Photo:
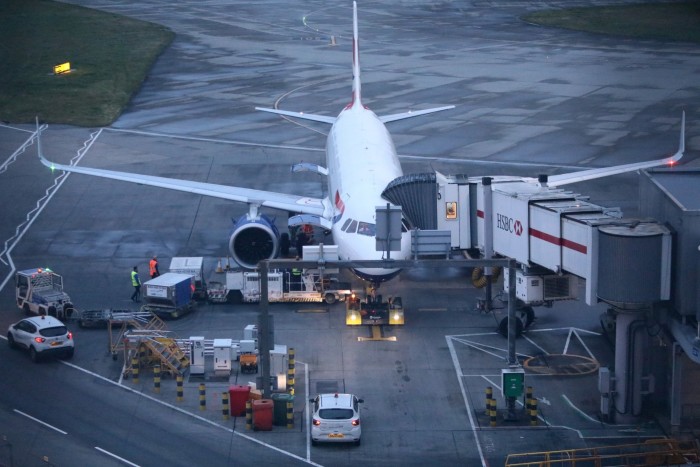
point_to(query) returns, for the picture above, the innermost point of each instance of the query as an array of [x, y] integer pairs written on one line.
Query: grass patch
[[110, 56], [663, 21]]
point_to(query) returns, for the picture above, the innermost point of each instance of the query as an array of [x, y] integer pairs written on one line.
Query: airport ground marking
[[458, 370], [120, 459], [41, 422], [185, 412]]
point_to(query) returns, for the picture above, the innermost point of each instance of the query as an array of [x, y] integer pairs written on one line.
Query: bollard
[[202, 396], [135, 369], [489, 396], [290, 414], [290, 371], [533, 412], [528, 398], [493, 413], [224, 405], [156, 379], [178, 379], [248, 415]]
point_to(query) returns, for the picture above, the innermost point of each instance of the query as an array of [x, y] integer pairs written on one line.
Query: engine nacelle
[[253, 239]]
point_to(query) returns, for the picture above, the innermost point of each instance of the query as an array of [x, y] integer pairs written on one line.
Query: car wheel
[[11, 341], [33, 354]]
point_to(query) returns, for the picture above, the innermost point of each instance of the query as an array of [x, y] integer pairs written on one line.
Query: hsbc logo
[[509, 224]]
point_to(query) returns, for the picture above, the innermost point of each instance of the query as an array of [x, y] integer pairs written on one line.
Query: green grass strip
[[110, 55], [660, 21]]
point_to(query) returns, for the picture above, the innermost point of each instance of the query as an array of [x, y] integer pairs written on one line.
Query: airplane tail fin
[[356, 85]]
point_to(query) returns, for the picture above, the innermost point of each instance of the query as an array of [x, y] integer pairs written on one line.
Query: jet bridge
[[556, 236]]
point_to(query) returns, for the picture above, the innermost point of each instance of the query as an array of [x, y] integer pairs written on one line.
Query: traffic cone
[[218, 267]]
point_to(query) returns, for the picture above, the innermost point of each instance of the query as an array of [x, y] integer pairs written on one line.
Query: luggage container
[[193, 266], [169, 295]]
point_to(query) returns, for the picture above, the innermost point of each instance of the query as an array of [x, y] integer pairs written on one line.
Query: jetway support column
[[629, 364], [488, 236]]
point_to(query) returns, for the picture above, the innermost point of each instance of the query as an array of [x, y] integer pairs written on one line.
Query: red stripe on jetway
[[479, 213], [558, 241]]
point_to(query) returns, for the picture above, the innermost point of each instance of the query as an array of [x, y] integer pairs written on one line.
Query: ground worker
[[153, 268], [136, 282]]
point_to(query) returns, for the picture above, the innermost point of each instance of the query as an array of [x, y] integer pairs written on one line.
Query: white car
[[336, 419], [42, 336]]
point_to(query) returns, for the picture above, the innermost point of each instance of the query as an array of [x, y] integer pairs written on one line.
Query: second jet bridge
[[552, 233]]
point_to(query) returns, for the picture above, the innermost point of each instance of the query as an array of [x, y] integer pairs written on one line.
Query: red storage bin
[[238, 395], [262, 414]]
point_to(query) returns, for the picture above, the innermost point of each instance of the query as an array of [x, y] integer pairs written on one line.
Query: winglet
[[356, 87]]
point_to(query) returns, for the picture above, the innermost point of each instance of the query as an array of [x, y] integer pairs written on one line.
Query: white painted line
[[480, 346], [185, 412], [584, 345], [568, 341], [581, 412], [39, 421], [120, 459], [458, 370], [534, 344]]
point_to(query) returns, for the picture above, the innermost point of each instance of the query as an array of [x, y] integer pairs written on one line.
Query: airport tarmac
[[529, 100]]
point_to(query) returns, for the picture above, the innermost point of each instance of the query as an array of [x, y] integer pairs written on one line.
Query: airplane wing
[[565, 179], [287, 202], [414, 113], [302, 115]]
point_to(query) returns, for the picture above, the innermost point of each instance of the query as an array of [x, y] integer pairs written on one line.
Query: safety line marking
[[121, 459], [42, 422]]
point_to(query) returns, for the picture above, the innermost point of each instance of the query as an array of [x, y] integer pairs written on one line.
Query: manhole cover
[[573, 365]]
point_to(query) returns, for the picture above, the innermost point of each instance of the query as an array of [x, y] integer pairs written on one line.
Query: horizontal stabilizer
[[301, 115], [413, 113]]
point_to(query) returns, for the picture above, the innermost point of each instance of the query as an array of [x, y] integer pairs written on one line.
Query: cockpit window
[[365, 228], [353, 227], [345, 225]]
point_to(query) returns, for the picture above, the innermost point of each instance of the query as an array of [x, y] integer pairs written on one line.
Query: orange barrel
[[238, 395], [262, 414]]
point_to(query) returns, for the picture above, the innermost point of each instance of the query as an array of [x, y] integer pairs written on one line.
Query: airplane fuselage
[[361, 160]]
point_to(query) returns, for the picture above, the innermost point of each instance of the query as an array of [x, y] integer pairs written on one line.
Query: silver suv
[[41, 335], [336, 419]]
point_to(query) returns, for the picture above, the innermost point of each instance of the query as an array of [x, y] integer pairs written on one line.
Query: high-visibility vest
[[152, 267], [135, 278]]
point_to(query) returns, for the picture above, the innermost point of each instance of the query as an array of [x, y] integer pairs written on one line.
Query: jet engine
[[253, 238]]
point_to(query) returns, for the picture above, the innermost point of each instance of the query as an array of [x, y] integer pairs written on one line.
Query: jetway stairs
[[143, 336]]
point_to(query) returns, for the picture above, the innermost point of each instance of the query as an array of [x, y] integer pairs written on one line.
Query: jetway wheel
[[503, 327]]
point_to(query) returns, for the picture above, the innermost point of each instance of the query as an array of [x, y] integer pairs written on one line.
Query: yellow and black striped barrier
[[248, 415], [178, 380], [290, 414], [533, 412], [156, 379], [135, 369], [489, 396], [202, 397], [225, 405], [291, 370], [493, 413]]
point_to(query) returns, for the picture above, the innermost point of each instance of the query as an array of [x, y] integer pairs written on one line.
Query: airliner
[[361, 160]]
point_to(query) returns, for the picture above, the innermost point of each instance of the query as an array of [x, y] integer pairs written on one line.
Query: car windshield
[[53, 332], [335, 414]]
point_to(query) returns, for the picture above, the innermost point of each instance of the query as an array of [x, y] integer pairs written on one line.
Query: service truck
[[283, 286], [40, 291]]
